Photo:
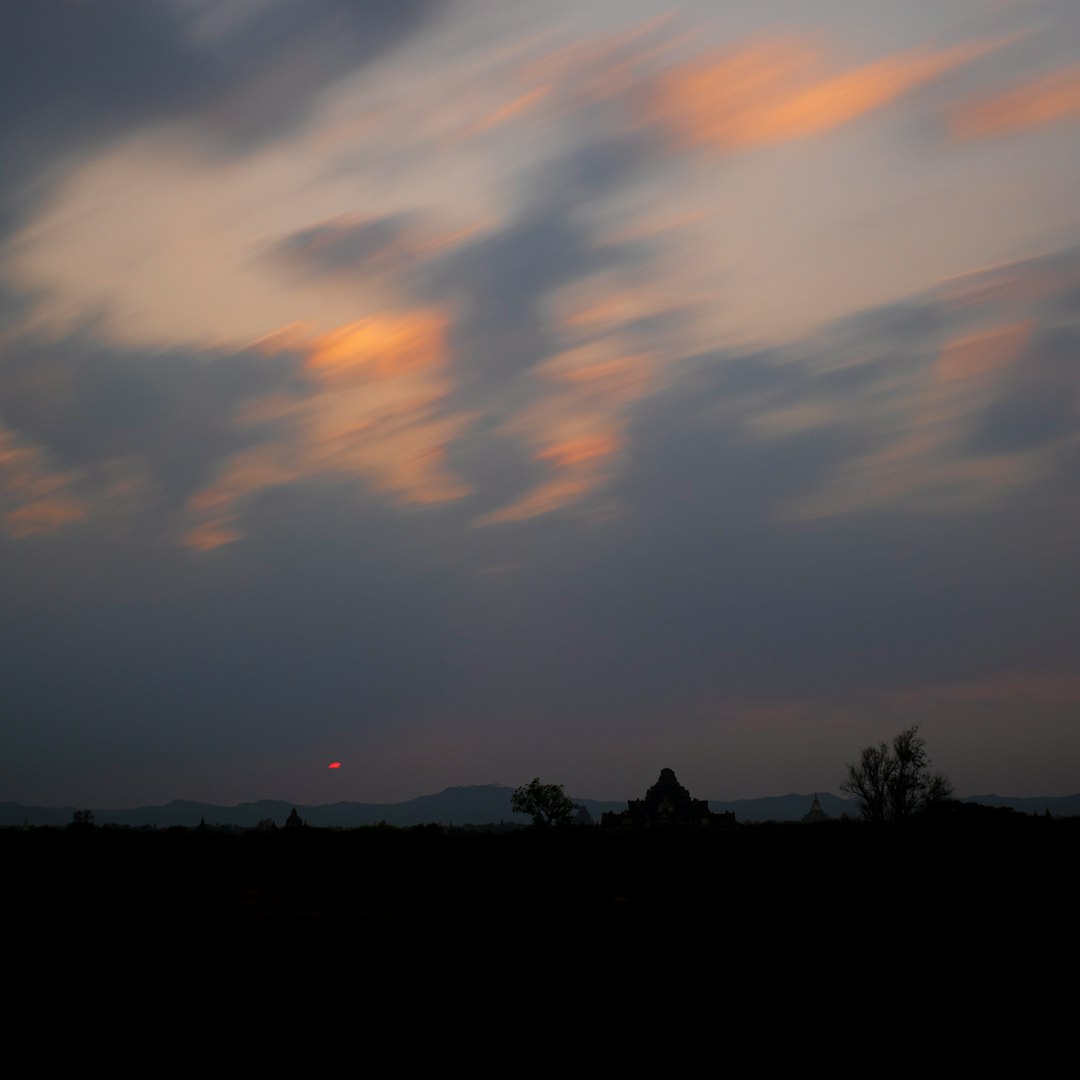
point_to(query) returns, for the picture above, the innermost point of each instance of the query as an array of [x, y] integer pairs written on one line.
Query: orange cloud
[[373, 414], [37, 496], [575, 426], [924, 460], [572, 452], [1054, 97], [920, 466], [44, 516], [381, 347], [211, 535], [603, 67], [1018, 287], [523, 103], [591, 308], [982, 354], [770, 93], [666, 302], [554, 495], [592, 374], [581, 461]]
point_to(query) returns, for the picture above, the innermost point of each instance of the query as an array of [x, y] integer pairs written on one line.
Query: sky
[[470, 391]]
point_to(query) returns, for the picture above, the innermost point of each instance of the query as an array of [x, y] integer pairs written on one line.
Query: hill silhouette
[[481, 804]]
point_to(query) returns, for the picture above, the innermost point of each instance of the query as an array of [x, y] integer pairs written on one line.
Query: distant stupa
[[815, 813]]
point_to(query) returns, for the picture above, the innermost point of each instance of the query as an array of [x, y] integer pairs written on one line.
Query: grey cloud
[[503, 280], [75, 75], [12, 305], [917, 322], [284, 55], [1037, 401], [593, 168], [87, 403], [79, 70], [705, 584], [340, 247]]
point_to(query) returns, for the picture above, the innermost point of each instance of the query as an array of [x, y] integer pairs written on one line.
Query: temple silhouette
[[667, 804]]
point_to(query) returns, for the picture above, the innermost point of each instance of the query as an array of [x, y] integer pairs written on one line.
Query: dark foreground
[[756, 904]]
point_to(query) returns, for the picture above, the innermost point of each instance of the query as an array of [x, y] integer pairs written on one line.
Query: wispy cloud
[[372, 411], [778, 90], [1049, 99], [575, 426], [34, 499]]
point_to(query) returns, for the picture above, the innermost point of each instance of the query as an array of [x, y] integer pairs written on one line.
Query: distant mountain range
[[478, 805]]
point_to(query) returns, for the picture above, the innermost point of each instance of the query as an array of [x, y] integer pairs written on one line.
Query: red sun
[[334, 765]]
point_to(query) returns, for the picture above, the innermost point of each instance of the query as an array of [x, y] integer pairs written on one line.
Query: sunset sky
[[473, 390]]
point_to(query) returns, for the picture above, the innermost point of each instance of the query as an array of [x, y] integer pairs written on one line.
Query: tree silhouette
[[894, 783], [547, 804]]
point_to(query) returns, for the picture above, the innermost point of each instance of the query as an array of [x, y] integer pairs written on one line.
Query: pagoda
[[667, 804]]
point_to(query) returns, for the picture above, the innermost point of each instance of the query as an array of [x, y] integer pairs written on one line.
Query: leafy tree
[[894, 782], [547, 804]]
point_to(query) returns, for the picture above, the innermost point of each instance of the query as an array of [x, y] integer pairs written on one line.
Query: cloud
[[1050, 99], [1039, 402], [775, 91], [33, 498], [982, 354], [349, 246], [73, 76], [91, 403], [79, 72], [395, 250], [970, 419], [500, 285], [373, 411], [576, 75], [464, 317], [963, 395], [575, 425], [511, 110], [89, 428]]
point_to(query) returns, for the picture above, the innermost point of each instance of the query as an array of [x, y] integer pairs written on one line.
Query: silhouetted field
[[755, 900]]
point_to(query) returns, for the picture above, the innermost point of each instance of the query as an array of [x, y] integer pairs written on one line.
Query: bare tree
[[894, 783], [868, 780]]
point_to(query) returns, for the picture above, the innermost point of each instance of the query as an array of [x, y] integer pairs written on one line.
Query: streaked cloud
[[33, 498], [1049, 99], [778, 90], [575, 427], [982, 354], [512, 110], [78, 77], [372, 411]]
